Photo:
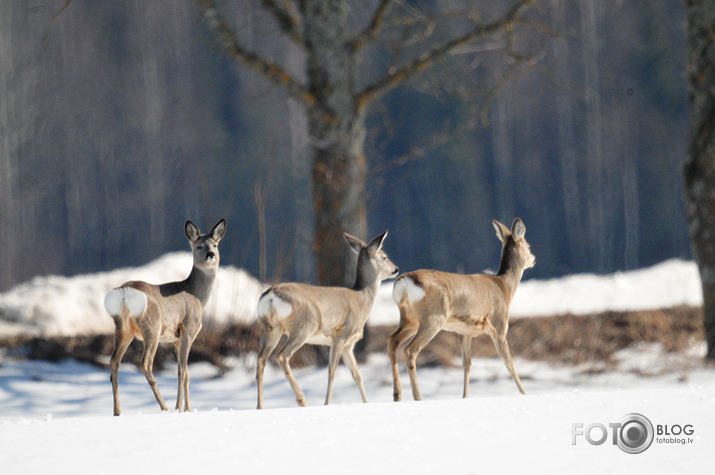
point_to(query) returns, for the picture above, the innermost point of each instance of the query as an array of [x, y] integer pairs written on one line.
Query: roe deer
[[469, 305], [331, 316], [166, 313]]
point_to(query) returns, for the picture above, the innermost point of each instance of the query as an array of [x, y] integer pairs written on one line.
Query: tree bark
[[699, 167], [337, 134]]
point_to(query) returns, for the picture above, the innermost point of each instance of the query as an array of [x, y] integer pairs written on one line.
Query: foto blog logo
[[633, 434]]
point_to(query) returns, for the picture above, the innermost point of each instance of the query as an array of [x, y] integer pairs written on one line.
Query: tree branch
[[231, 46], [398, 75], [54, 17], [375, 23], [287, 20]]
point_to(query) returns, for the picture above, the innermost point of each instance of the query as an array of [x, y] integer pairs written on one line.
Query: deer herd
[[429, 301]]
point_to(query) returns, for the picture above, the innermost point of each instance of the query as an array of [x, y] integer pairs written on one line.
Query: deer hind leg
[[503, 350], [269, 339], [295, 341], [429, 328], [151, 343], [404, 332], [122, 339], [351, 362], [466, 361]]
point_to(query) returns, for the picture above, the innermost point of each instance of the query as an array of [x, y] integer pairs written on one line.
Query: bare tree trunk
[[699, 168], [596, 174], [337, 134], [8, 161]]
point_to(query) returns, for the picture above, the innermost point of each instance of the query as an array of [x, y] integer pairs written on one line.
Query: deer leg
[[269, 340], [403, 333], [121, 343], [292, 345], [151, 343], [188, 335], [503, 350], [182, 358], [336, 350], [351, 362], [424, 335], [466, 361], [180, 376]]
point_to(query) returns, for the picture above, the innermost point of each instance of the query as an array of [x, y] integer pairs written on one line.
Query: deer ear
[[376, 242], [192, 232], [355, 244], [218, 231], [518, 229], [502, 231]]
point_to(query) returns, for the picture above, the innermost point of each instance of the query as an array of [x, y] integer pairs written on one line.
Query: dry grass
[[565, 339]]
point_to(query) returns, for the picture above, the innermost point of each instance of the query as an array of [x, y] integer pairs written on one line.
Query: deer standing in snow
[[166, 313], [331, 316], [468, 305]]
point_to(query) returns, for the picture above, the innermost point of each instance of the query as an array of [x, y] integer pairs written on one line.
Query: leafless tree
[[335, 37], [699, 168]]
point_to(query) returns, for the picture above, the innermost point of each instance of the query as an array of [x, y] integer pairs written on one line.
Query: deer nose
[[210, 256]]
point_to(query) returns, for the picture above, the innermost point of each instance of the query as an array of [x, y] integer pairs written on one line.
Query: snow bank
[[64, 306]]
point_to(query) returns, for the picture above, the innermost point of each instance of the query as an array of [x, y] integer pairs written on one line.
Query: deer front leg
[[351, 362], [335, 351], [466, 361], [503, 350], [182, 357], [180, 375]]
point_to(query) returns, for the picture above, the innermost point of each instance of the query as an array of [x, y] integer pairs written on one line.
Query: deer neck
[[366, 283], [510, 273], [199, 283]]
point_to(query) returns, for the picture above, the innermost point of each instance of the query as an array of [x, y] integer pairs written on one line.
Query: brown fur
[[468, 305], [172, 314], [331, 316]]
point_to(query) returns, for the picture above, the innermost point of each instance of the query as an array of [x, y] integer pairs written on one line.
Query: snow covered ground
[[56, 418]]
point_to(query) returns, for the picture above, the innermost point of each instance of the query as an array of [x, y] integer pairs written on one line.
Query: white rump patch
[[272, 301], [403, 285], [125, 297]]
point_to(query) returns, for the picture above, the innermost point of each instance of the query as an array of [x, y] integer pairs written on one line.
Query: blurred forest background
[[120, 120]]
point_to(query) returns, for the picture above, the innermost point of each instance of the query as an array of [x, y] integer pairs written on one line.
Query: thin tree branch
[[398, 75], [232, 47], [54, 17], [418, 152], [287, 20], [369, 33]]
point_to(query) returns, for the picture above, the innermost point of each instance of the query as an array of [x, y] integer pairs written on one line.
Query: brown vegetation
[[564, 339]]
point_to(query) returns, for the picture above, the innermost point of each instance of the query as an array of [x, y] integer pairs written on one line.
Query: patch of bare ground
[[564, 339]]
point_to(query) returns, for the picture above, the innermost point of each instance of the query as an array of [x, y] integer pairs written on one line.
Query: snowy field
[[56, 418]]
